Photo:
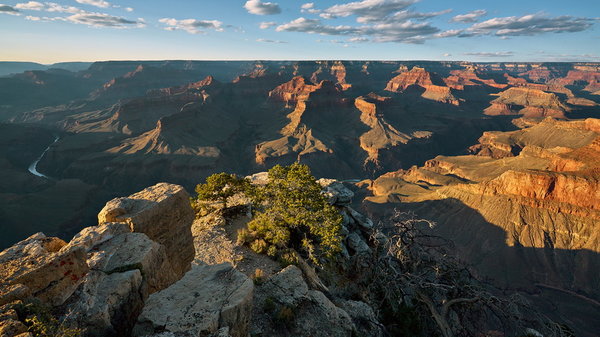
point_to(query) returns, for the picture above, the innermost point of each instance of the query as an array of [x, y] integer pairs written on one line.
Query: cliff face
[[528, 102], [528, 198], [421, 78]]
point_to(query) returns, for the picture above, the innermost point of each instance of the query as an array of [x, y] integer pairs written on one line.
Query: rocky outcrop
[[420, 78], [591, 78], [37, 267], [461, 79], [163, 213], [100, 280], [205, 300], [534, 190], [336, 192], [307, 312], [297, 89], [528, 102]]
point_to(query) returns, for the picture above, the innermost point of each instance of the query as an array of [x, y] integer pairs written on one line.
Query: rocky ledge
[[141, 272]]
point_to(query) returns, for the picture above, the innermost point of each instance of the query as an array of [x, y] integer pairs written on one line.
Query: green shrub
[[291, 213], [219, 187]]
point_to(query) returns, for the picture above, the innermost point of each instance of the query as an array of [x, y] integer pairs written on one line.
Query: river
[[33, 166]]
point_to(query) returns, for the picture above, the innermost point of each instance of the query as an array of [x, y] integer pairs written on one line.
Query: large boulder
[[164, 214], [205, 300], [36, 267], [290, 308], [131, 251], [107, 304], [126, 267]]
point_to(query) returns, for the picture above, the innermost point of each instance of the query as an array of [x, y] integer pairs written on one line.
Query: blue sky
[[509, 30]]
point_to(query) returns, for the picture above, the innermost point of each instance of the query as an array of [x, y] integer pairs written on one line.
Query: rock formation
[[421, 78], [102, 277], [163, 214], [528, 102], [535, 190], [206, 299]]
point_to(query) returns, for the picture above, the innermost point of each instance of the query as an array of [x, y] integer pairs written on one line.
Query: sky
[[470, 30]]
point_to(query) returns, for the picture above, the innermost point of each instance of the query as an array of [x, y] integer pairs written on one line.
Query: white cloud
[[405, 32], [191, 26], [48, 7], [6, 9], [367, 10], [314, 26], [531, 24], [492, 54], [309, 7], [470, 17], [258, 7], [270, 41], [103, 20], [78, 16], [128, 9], [31, 5], [449, 33], [96, 3], [267, 25], [404, 15]]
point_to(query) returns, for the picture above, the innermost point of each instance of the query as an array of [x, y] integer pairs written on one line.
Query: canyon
[[503, 157]]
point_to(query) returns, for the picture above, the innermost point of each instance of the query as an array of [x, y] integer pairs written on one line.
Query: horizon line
[[297, 60]]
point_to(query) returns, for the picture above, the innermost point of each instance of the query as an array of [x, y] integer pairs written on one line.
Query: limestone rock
[[37, 264], [360, 219], [357, 244], [364, 318], [286, 287], [164, 214], [313, 314], [336, 192], [260, 178], [92, 236], [107, 304], [135, 251], [206, 299]]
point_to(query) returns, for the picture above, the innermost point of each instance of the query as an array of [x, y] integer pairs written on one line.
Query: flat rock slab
[[205, 300]]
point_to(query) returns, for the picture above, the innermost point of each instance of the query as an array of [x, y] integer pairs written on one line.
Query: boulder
[[357, 244], [37, 267], [131, 251], [164, 214], [205, 300], [360, 219], [364, 318], [336, 192], [125, 269], [286, 287], [307, 312], [92, 236], [107, 304]]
